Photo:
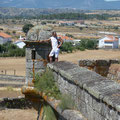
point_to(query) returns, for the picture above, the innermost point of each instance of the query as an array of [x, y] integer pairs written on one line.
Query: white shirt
[[54, 42]]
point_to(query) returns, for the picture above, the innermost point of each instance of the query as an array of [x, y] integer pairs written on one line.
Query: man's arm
[[61, 42]]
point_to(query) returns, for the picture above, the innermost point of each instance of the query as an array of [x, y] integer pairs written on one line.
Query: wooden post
[[14, 72], [5, 72]]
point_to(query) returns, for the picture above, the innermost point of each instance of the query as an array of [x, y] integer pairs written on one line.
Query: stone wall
[[99, 66], [114, 72], [12, 78], [96, 97], [16, 103], [36, 59]]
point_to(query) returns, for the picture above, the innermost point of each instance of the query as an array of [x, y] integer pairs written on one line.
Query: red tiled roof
[[108, 40], [112, 38], [4, 35], [65, 37]]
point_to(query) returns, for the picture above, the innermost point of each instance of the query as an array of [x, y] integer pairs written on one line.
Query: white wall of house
[[101, 43], [20, 44], [119, 43], [1, 40], [108, 45], [4, 40]]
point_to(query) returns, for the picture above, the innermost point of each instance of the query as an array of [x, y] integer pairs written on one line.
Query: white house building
[[20, 44], [4, 38], [109, 41], [66, 23]]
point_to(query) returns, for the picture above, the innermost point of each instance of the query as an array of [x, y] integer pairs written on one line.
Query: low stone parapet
[[99, 66], [16, 103], [96, 97], [114, 72]]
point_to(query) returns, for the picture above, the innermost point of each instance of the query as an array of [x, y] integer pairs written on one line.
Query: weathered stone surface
[[72, 115], [96, 97], [39, 33], [99, 66], [28, 53], [35, 64], [114, 72]]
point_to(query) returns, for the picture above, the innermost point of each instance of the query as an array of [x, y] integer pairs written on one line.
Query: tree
[[27, 27], [69, 35], [43, 23]]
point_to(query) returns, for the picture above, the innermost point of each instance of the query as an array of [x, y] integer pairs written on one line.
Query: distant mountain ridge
[[80, 4], [34, 12]]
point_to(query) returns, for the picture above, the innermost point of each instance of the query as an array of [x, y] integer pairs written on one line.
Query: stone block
[[82, 108], [108, 112], [80, 93], [86, 63], [55, 76], [72, 115], [28, 53], [35, 64], [97, 105], [96, 88], [72, 89]]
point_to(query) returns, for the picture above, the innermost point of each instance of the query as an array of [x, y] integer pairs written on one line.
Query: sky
[[111, 0]]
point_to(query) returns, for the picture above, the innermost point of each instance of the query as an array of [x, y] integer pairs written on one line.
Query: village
[[106, 34]]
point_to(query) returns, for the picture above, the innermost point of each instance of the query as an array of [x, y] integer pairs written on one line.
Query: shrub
[[11, 50], [27, 27], [43, 23], [45, 83], [16, 52], [49, 113], [2, 48], [67, 47], [88, 44], [69, 35], [66, 102], [14, 32], [78, 47]]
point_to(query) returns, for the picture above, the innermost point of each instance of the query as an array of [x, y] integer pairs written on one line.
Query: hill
[[81, 4]]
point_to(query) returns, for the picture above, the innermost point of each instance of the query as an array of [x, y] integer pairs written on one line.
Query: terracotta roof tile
[[4, 35], [113, 38], [65, 37], [108, 40]]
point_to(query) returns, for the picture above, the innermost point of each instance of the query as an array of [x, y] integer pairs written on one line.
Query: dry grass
[[90, 54], [18, 64], [11, 64]]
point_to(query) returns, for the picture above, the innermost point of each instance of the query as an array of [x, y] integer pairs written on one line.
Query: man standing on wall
[[56, 44]]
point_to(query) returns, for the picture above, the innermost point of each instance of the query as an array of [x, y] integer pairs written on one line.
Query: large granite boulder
[[39, 33]]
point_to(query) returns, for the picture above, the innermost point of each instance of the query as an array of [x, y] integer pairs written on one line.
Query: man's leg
[[56, 59], [51, 55], [56, 55], [50, 58]]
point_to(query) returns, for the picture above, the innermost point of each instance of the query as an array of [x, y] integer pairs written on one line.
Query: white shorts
[[54, 51]]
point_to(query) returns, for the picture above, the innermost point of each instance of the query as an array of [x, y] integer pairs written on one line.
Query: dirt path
[[18, 114], [10, 93]]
